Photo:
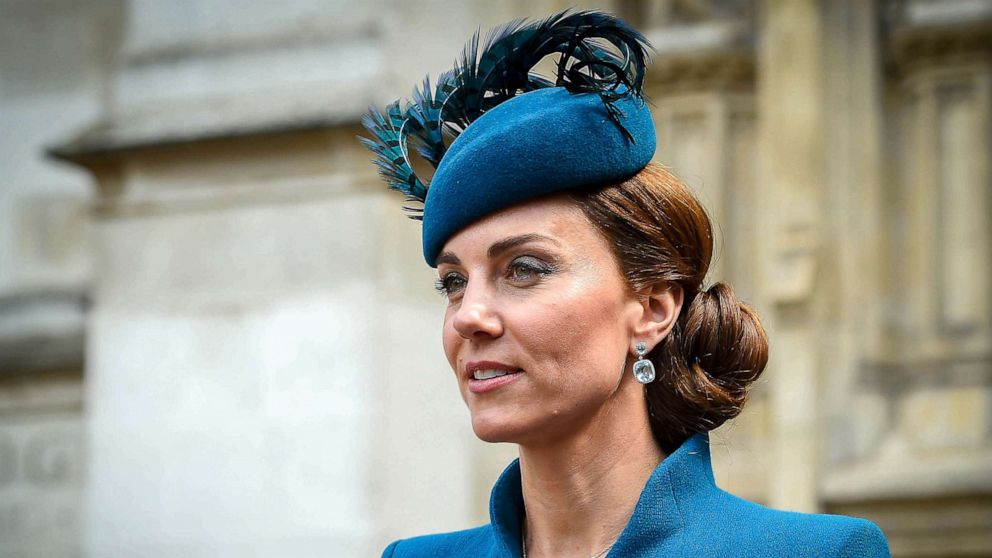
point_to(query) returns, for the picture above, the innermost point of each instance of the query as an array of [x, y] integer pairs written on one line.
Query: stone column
[[55, 61], [854, 212], [790, 185]]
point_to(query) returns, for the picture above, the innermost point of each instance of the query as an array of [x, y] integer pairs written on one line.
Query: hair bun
[[717, 350], [724, 335]]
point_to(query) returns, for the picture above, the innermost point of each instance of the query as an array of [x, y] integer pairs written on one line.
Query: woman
[[577, 325]]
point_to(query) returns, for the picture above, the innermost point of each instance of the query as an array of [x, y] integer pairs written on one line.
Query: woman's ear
[[659, 310]]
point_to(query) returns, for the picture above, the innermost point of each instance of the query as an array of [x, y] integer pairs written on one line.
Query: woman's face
[[539, 322]]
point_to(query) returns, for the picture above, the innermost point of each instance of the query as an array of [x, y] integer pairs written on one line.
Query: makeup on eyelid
[[533, 265]]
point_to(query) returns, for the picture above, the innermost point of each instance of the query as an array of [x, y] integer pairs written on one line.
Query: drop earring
[[643, 368]]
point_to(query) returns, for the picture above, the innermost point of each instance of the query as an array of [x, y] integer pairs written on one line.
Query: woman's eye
[[527, 270], [450, 284], [522, 272]]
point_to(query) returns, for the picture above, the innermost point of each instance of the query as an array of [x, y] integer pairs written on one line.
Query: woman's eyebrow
[[499, 247], [510, 242], [448, 258]]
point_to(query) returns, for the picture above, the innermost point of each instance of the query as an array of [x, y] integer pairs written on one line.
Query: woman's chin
[[489, 427]]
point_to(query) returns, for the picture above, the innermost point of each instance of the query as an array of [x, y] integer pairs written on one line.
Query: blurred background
[[218, 336]]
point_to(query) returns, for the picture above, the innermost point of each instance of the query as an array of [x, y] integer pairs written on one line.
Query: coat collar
[[677, 484]]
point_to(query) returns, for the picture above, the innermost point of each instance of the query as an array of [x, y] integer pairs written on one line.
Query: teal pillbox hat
[[498, 133], [535, 144]]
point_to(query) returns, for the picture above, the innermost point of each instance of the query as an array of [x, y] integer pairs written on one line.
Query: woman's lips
[[486, 368], [483, 386]]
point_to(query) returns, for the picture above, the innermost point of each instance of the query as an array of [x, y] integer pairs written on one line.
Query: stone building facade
[[217, 336]]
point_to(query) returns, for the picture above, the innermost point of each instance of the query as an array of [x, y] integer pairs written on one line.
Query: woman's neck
[[580, 490]]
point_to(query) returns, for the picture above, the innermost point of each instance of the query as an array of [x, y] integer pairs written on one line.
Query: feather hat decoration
[[599, 58], [499, 133]]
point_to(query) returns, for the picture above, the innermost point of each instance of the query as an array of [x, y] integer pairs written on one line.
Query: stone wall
[[55, 62]]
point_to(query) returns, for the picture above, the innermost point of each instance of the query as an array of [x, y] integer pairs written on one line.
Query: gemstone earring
[[643, 368]]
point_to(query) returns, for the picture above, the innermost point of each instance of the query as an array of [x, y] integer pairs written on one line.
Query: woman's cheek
[[450, 340]]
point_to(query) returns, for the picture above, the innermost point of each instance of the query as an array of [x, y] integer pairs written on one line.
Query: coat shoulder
[[480, 540], [764, 531]]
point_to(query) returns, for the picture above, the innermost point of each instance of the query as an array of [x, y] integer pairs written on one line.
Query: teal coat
[[681, 513]]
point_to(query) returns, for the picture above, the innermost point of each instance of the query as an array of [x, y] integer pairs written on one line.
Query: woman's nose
[[476, 316]]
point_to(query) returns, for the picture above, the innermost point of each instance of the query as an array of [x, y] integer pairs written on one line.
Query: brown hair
[[661, 234]]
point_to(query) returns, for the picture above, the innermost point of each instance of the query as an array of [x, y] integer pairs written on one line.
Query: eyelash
[[445, 288], [443, 285]]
